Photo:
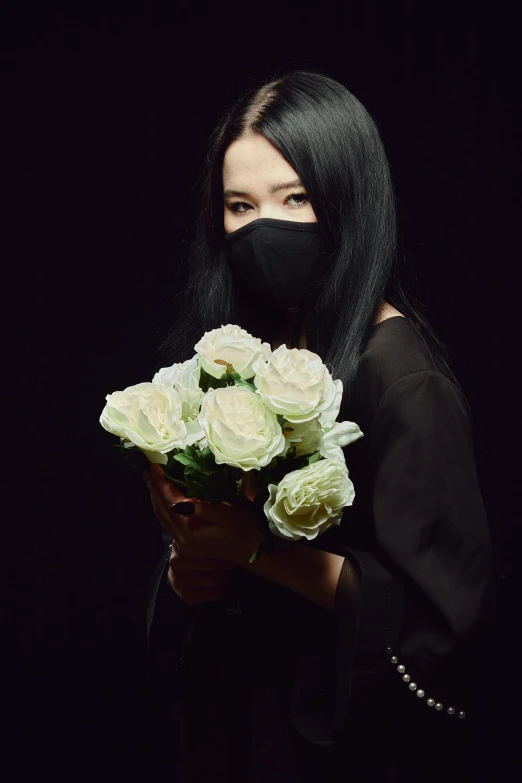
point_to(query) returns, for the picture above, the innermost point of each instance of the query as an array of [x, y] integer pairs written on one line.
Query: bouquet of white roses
[[239, 414]]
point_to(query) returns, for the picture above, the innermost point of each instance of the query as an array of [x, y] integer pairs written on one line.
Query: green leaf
[[205, 472], [314, 457], [187, 461], [246, 384], [191, 452]]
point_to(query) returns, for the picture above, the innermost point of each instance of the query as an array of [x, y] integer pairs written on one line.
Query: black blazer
[[416, 584]]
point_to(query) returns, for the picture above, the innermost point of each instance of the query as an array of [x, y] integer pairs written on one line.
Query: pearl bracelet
[[420, 693]]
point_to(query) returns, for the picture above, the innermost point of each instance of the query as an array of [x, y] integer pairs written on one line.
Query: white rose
[[149, 416], [233, 345], [295, 383], [184, 378], [309, 501], [240, 430], [310, 437]]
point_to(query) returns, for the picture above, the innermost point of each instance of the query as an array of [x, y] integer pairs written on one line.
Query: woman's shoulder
[[396, 348]]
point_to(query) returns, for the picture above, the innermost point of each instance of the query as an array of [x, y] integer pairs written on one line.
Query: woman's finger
[[194, 563], [164, 486], [183, 563], [201, 595], [158, 497], [202, 579], [164, 516]]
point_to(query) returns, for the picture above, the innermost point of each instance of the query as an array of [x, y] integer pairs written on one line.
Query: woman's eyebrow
[[295, 183]]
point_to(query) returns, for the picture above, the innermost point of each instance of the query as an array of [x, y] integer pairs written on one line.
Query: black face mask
[[279, 263]]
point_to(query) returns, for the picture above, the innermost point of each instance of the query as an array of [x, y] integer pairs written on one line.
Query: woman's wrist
[[312, 573]]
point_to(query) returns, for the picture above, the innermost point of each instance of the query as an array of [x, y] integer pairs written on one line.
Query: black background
[[105, 120]]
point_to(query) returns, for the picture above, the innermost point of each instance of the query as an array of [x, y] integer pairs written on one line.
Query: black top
[[286, 690]]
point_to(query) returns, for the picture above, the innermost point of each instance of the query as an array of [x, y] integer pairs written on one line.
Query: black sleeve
[[421, 591], [154, 584]]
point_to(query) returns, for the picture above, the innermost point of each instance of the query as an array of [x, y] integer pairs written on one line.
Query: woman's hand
[[195, 580], [221, 531]]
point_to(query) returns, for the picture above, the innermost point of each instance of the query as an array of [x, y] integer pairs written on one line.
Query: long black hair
[[332, 142]]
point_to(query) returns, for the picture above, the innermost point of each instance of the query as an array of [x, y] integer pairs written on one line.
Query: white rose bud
[[150, 416], [310, 437], [295, 383], [234, 346], [184, 378], [240, 430], [309, 501]]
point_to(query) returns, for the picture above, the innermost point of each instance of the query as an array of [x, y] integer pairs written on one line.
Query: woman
[[351, 654]]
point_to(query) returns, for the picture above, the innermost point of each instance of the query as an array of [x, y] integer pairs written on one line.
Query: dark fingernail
[[186, 508]]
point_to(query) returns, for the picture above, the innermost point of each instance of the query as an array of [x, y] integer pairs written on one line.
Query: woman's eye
[[234, 206], [299, 196]]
